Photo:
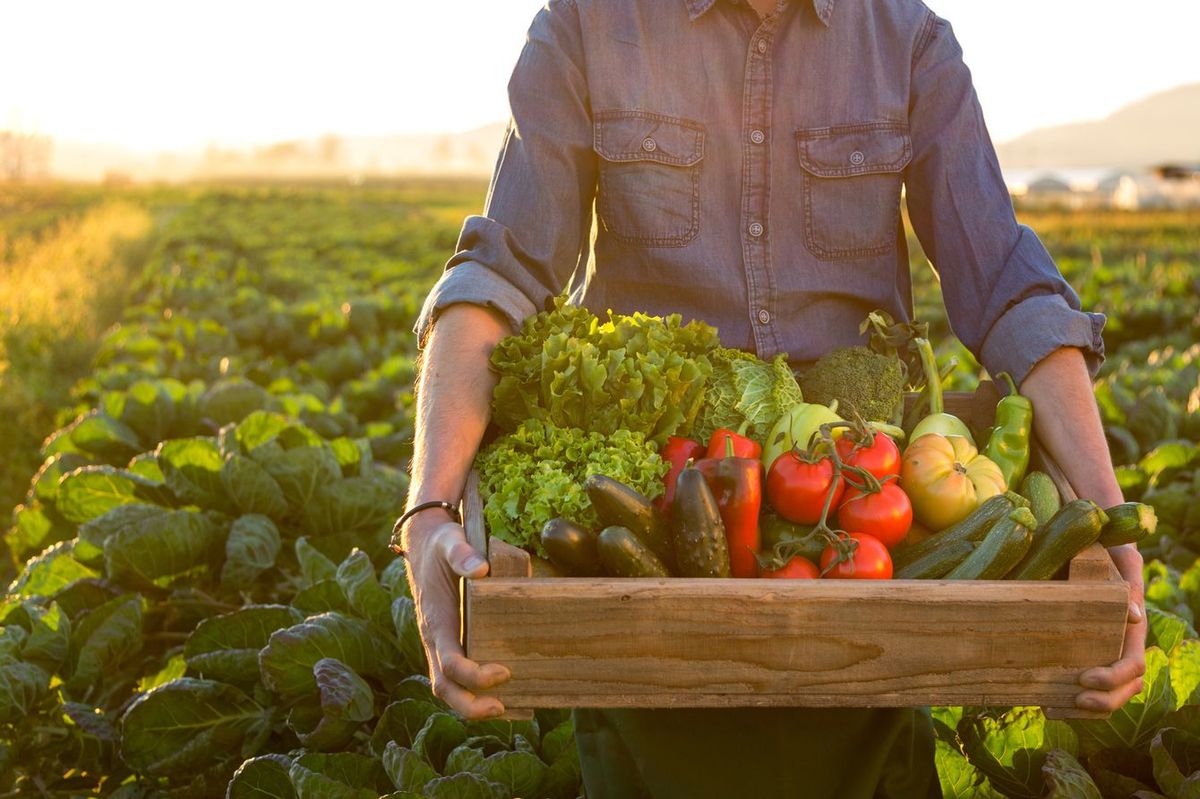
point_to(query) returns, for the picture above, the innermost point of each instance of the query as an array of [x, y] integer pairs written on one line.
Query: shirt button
[[756, 229], [762, 45], [764, 317], [649, 144], [857, 158], [757, 136]]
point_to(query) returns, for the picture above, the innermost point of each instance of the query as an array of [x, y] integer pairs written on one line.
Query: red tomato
[[798, 568], [870, 560], [797, 490], [881, 458], [887, 515]]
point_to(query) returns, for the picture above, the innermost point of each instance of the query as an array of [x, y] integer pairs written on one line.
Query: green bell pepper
[[1009, 444]]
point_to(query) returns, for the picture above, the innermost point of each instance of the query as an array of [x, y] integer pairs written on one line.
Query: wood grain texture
[[1094, 564], [507, 560], [606, 642], [702, 643], [977, 408], [471, 508]]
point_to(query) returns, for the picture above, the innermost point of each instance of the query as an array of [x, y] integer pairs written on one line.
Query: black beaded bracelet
[[414, 510]]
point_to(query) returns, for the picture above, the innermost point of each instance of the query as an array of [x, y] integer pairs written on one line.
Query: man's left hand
[[1110, 687]]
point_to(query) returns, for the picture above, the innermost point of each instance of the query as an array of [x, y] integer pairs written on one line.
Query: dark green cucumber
[[973, 528], [1076, 526], [701, 549], [1128, 523], [936, 563], [1039, 489], [623, 554], [619, 505], [1001, 549], [571, 548]]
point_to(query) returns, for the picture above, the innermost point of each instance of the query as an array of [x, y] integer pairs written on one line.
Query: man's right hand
[[438, 555]]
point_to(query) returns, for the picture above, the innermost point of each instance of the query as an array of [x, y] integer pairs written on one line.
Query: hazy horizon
[[146, 79]]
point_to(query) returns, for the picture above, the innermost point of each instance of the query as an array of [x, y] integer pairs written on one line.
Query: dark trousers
[[757, 753]]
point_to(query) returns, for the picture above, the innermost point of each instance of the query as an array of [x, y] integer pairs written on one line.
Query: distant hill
[[1161, 127]]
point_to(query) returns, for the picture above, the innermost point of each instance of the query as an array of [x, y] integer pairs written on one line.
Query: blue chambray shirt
[[688, 156]]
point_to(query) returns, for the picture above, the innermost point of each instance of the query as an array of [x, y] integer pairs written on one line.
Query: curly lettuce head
[[632, 372], [537, 472]]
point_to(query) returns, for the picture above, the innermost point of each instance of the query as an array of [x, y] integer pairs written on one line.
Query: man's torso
[[750, 169]]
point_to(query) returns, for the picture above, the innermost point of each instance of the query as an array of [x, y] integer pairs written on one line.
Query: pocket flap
[[645, 136], [846, 150]]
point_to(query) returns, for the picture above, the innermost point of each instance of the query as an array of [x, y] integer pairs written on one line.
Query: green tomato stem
[[933, 380], [843, 544]]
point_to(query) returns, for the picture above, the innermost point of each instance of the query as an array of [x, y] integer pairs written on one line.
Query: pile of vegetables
[[578, 395], [825, 498]]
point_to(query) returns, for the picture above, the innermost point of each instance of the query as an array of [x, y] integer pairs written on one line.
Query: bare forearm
[[454, 393], [1066, 421]]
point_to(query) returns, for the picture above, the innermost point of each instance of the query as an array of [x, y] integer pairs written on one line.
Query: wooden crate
[[609, 642]]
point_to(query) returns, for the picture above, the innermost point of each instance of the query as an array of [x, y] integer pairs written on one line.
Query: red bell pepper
[[676, 452], [743, 447], [737, 485]]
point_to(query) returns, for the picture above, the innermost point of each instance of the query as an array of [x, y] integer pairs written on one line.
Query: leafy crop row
[[205, 602], [1143, 272], [205, 605], [61, 285]]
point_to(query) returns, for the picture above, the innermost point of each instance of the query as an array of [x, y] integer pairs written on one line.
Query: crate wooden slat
[[606, 642], [662, 643]]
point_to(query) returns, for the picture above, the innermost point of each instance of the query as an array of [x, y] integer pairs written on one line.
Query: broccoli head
[[862, 381]]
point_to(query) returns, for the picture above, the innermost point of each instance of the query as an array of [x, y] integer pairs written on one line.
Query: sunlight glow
[[151, 75]]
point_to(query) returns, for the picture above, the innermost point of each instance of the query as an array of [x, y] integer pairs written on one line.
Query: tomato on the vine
[[797, 489], [870, 560], [798, 568], [881, 458], [886, 514]]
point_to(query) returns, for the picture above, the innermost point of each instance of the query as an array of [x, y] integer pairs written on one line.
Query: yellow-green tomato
[[946, 478], [797, 426], [944, 424]]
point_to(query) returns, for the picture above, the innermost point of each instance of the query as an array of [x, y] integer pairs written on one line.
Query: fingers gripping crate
[[610, 642]]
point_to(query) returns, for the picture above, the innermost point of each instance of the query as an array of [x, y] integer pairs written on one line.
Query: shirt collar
[[696, 8]]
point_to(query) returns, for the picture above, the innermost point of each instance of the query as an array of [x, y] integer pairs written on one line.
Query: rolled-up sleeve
[[1005, 297], [537, 218]]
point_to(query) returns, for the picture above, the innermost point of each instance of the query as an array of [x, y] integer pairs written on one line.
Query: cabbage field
[[202, 603]]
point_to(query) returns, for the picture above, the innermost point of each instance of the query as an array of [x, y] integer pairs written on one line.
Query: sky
[[184, 75]]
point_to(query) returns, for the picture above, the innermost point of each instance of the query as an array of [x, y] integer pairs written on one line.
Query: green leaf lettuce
[[537, 473]]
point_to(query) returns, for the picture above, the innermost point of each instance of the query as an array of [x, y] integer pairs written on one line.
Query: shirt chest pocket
[[852, 176], [649, 185]]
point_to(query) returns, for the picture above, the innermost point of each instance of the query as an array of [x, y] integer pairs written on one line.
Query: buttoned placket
[[756, 187]]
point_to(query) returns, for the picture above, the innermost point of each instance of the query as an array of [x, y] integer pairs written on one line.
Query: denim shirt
[[689, 156]]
